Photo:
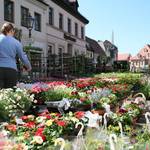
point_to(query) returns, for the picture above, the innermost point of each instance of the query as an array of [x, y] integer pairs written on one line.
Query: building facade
[[94, 50], [58, 26], [65, 28], [112, 50], [141, 60]]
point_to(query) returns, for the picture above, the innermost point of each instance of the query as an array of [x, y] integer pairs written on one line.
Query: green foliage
[[143, 137], [14, 102], [145, 89], [51, 95], [57, 93]]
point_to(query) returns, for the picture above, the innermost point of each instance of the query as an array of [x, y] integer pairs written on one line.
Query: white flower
[[37, 139], [18, 98], [40, 119], [35, 101], [32, 97], [19, 90], [10, 106], [15, 106]]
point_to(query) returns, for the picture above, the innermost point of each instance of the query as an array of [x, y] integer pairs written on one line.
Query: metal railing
[[59, 66]]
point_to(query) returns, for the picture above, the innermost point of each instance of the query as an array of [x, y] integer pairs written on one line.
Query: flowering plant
[[41, 132], [14, 102], [56, 93]]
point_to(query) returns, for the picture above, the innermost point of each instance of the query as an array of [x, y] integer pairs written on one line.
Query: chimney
[[74, 4]]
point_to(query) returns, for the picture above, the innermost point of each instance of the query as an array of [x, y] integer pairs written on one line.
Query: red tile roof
[[135, 58], [124, 57]]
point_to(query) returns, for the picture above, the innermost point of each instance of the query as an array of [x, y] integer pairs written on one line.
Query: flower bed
[[98, 94]]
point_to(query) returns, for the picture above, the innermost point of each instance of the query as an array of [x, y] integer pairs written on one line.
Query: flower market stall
[[97, 113]]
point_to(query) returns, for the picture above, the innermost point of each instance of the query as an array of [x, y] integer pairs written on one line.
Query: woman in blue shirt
[[9, 49]]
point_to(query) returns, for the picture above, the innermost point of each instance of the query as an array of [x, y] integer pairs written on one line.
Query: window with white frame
[[60, 21], [60, 50], [82, 32], [24, 16], [50, 50], [37, 21], [9, 10], [76, 29], [69, 25], [51, 16]]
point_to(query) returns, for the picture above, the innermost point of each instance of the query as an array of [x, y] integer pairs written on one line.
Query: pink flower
[[36, 89], [11, 127], [29, 124]]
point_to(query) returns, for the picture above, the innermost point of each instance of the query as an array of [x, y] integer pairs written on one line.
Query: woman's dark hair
[[7, 27]]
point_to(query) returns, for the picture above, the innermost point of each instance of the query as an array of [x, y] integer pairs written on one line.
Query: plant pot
[[99, 111], [80, 108], [134, 121]]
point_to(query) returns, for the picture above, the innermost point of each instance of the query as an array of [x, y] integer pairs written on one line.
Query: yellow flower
[[49, 122], [74, 119], [53, 114], [31, 117]]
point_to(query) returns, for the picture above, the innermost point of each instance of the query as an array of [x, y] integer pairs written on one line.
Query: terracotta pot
[[99, 111], [134, 121]]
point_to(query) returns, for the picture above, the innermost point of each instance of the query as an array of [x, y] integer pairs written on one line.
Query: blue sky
[[129, 19]]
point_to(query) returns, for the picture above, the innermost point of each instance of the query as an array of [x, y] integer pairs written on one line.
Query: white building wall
[[56, 36], [49, 35], [39, 38]]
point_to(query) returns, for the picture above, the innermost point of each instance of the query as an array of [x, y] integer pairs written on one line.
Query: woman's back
[[8, 51]]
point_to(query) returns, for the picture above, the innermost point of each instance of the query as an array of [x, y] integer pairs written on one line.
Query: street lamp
[[30, 21], [30, 25]]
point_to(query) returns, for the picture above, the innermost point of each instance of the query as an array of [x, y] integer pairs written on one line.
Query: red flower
[[58, 114], [122, 111], [79, 114], [61, 123], [29, 124], [82, 99], [39, 132], [74, 93], [24, 117], [69, 85], [11, 127], [48, 117], [36, 89]]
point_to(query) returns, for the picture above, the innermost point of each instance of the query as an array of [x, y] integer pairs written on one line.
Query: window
[[24, 16], [9, 10], [76, 29], [60, 21], [82, 32], [69, 25], [69, 47], [76, 52], [37, 21], [50, 50], [60, 51], [51, 16]]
